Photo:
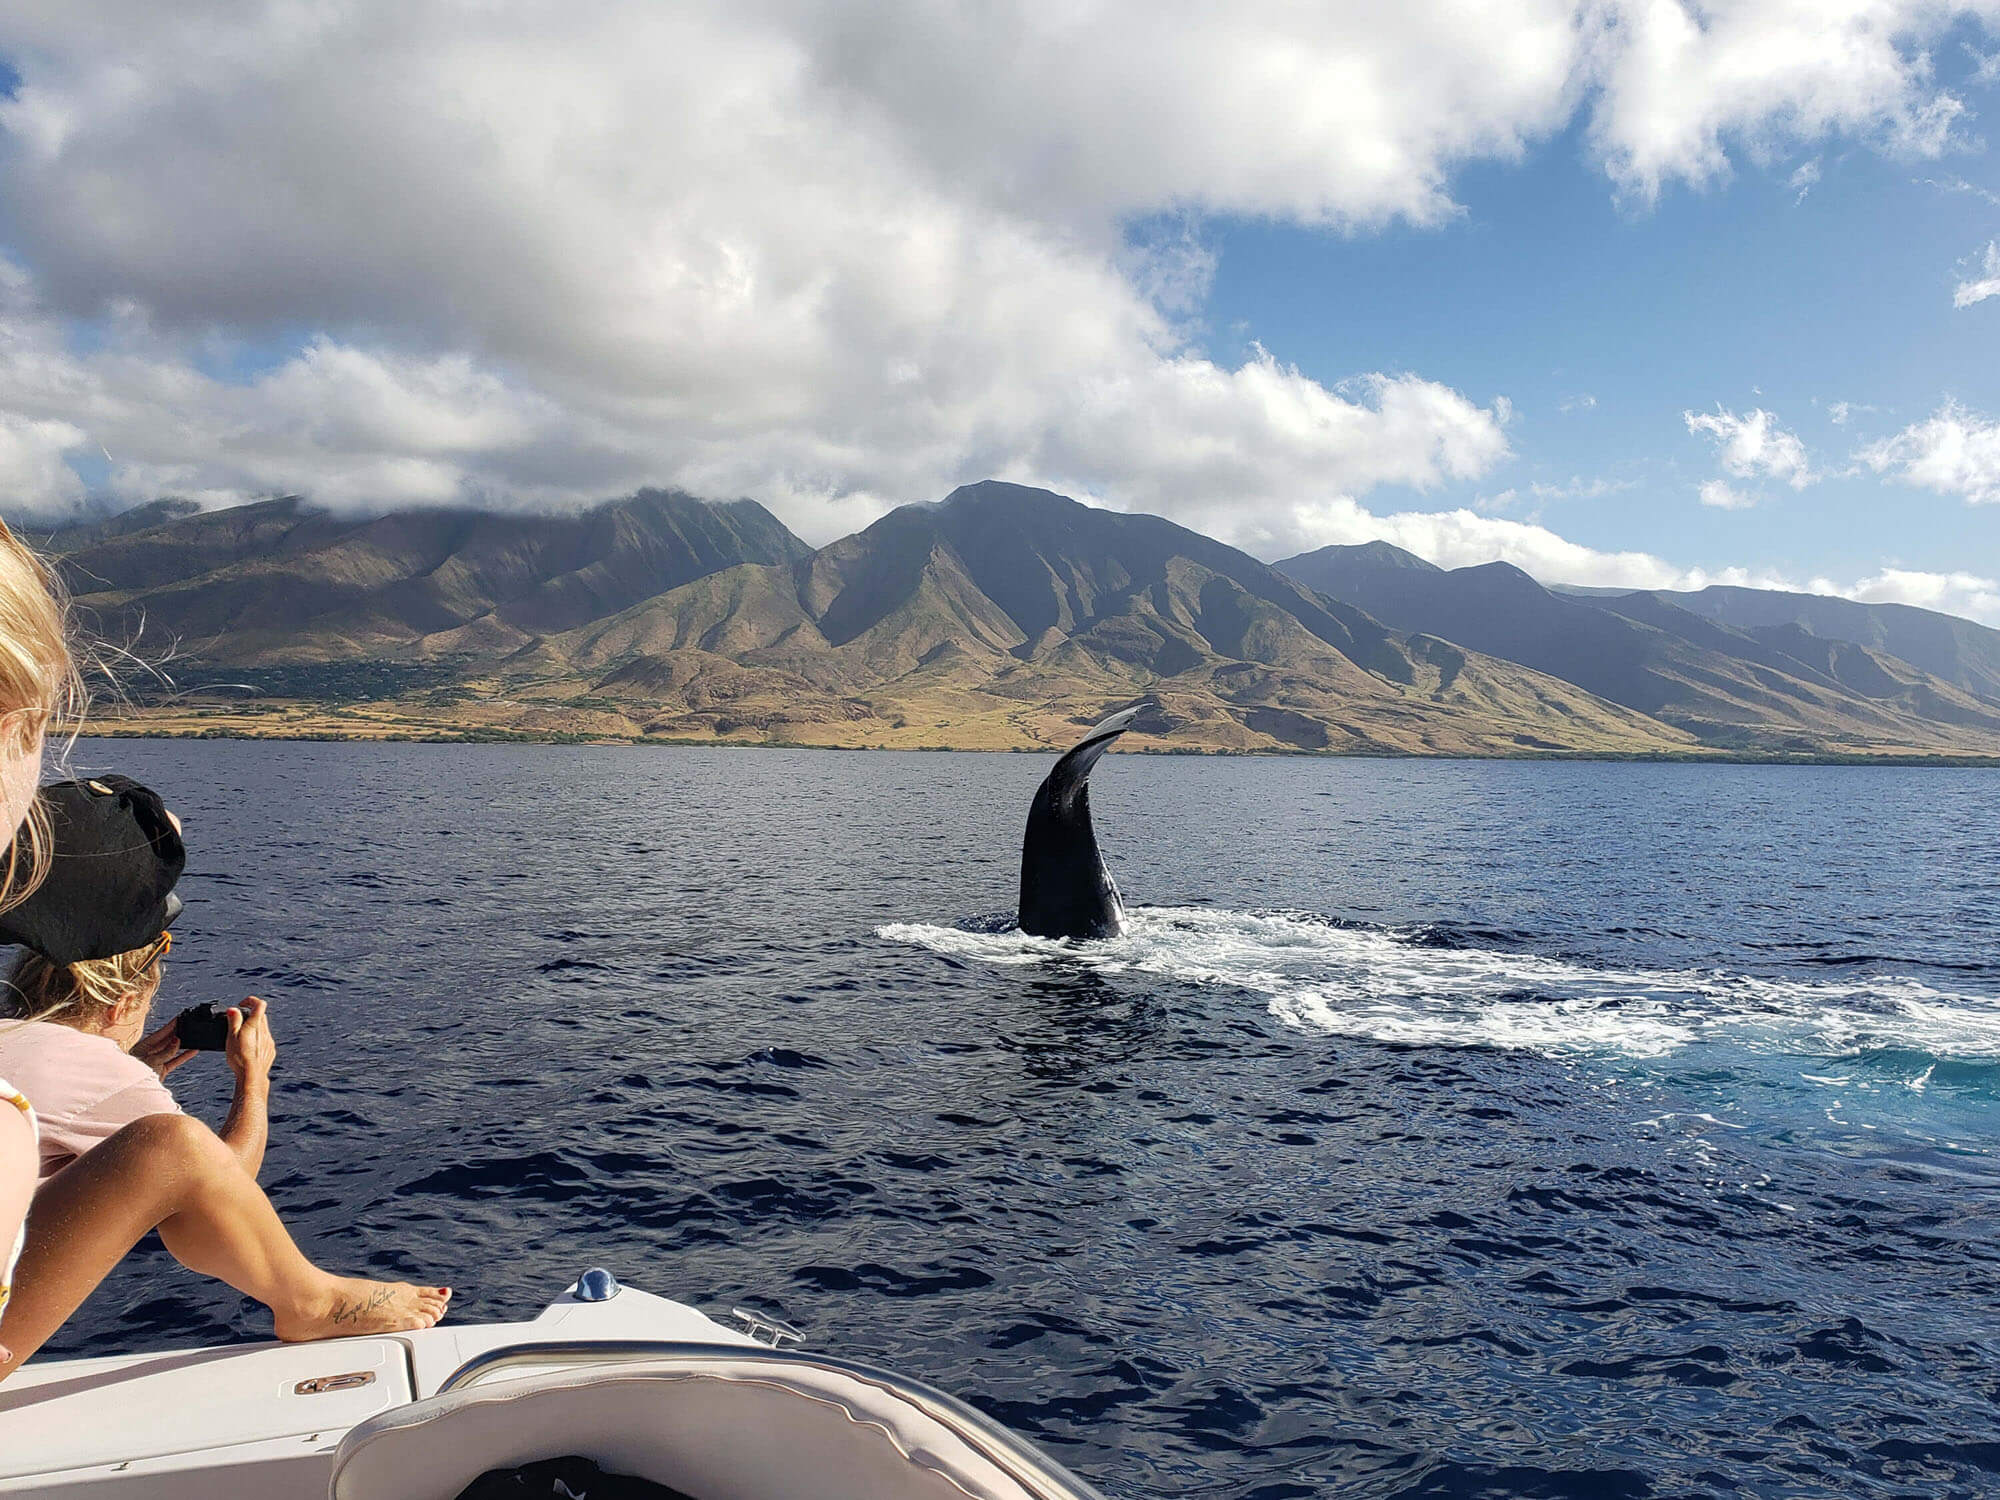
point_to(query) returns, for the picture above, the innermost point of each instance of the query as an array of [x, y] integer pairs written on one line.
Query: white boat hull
[[642, 1385], [264, 1420]]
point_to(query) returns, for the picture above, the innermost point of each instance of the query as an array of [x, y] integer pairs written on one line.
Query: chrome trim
[[772, 1333], [1001, 1447], [319, 1385]]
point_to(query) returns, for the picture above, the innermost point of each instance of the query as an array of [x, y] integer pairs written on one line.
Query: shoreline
[[383, 734]]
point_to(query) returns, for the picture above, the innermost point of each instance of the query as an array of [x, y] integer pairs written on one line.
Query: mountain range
[[1742, 669], [999, 617]]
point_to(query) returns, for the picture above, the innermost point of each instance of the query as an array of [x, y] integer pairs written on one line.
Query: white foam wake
[[1376, 983]]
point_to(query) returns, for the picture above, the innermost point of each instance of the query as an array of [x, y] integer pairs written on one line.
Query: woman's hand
[[162, 1050], [252, 1049]]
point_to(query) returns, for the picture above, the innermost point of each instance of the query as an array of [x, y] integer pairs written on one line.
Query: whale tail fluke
[[1065, 890], [1070, 777]]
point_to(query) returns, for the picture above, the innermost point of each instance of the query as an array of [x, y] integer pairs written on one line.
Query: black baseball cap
[[115, 859]]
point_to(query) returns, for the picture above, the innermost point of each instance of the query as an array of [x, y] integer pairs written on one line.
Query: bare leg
[[172, 1173]]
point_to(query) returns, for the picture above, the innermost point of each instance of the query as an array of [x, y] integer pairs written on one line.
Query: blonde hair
[[43, 990], [40, 688]]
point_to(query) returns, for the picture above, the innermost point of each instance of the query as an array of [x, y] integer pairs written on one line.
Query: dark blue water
[[1442, 1128]]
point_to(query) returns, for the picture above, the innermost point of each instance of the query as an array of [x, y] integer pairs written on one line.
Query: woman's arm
[[20, 1164], [251, 1051]]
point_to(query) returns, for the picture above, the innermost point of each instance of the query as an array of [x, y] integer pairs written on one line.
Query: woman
[[165, 1171], [36, 680], [88, 1061]]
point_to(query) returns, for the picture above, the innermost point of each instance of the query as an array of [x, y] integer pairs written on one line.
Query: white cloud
[[1194, 440], [1682, 82], [1463, 538], [1804, 180], [1582, 402], [1960, 185], [1753, 446], [1984, 283], [1578, 488], [835, 257], [351, 426], [1955, 452], [1966, 594], [32, 461], [1716, 494], [1178, 435]]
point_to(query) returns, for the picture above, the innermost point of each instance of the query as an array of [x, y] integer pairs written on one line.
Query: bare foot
[[351, 1305]]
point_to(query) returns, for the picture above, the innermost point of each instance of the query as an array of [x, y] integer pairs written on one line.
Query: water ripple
[[1443, 1129]]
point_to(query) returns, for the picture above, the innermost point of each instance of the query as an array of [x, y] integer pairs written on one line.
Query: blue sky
[[1534, 289], [1605, 322]]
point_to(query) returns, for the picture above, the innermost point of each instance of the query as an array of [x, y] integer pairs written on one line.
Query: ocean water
[[1438, 1129]]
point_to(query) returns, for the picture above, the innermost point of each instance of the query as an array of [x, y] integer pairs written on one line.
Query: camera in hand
[[203, 1028]]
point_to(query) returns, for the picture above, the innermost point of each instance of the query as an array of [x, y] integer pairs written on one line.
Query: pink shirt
[[84, 1088]]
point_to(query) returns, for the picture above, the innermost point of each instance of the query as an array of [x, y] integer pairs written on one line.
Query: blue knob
[[596, 1285]]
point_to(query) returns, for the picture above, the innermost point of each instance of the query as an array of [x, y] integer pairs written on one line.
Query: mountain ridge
[[1000, 615], [1098, 606], [1728, 686], [1949, 647], [282, 580]]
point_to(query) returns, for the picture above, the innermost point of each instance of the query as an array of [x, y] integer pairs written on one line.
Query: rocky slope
[[998, 617], [281, 581], [1775, 688], [1004, 612]]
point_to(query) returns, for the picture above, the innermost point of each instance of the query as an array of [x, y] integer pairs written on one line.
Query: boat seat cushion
[[565, 1478], [733, 1429]]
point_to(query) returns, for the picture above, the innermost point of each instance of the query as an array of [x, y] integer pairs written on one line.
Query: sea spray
[[1409, 986]]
